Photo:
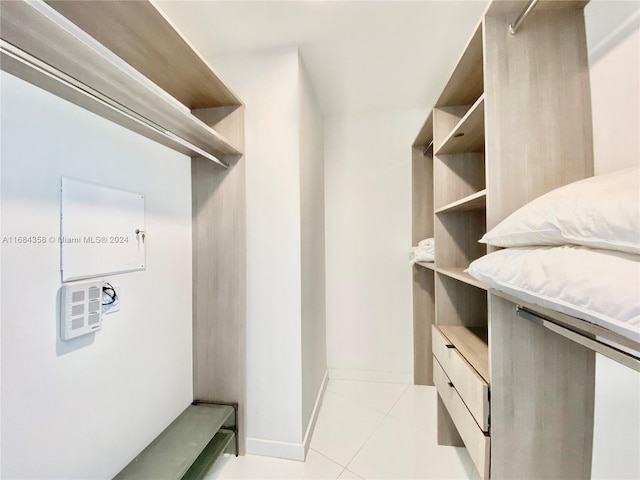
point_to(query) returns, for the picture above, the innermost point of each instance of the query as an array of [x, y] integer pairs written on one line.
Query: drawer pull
[[450, 384], [451, 346]]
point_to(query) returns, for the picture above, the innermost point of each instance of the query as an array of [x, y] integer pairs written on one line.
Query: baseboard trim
[[287, 450], [314, 414], [370, 376], [272, 448]]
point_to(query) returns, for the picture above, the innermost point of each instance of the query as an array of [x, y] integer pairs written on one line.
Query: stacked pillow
[[575, 249]]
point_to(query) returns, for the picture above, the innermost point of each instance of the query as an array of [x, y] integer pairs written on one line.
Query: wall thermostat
[[81, 309]]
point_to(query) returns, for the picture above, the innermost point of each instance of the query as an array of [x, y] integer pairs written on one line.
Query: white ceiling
[[361, 56]]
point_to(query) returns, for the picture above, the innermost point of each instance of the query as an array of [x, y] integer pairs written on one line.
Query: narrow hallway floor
[[365, 430]]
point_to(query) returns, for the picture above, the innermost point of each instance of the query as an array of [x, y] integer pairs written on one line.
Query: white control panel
[[81, 309]]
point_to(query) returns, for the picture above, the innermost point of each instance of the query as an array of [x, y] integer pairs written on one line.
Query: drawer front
[[470, 386], [477, 442]]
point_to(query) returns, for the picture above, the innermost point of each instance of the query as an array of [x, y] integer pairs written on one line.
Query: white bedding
[[599, 286]]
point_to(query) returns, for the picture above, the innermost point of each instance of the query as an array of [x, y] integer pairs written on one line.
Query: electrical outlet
[[115, 306]]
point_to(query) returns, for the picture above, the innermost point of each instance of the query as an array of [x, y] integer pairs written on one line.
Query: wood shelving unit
[[488, 125]]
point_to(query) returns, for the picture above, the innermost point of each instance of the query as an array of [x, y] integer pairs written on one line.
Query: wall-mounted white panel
[[102, 230]]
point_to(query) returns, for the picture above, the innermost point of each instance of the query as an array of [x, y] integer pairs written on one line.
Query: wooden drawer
[[470, 386], [477, 442]]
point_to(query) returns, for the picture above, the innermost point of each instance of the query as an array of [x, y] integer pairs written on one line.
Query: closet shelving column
[[460, 201], [423, 273], [460, 334]]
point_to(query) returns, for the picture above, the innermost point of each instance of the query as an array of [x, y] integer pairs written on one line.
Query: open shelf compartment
[[474, 201], [468, 134]]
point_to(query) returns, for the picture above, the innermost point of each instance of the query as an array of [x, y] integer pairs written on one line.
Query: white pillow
[[598, 212], [599, 286]]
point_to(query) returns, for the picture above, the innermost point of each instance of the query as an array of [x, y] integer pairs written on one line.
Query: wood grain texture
[[424, 314], [465, 84], [421, 196], [542, 400], [478, 443], [219, 285], [474, 201], [445, 120], [459, 274], [447, 433], [141, 35], [473, 345], [27, 28], [459, 304], [456, 238], [227, 121], [423, 286], [471, 387], [468, 135], [459, 176], [537, 108]]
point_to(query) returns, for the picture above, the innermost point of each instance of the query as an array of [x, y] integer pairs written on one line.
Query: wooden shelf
[[468, 135], [466, 83], [46, 49], [473, 345], [425, 136], [474, 201], [143, 37], [427, 265], [458, 273]]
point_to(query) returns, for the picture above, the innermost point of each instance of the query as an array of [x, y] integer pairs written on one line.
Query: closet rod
[[626, 358], [53, 73], [515, 26], [429, 147]]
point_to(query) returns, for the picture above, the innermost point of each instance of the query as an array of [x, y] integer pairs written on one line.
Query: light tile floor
[[365, 430]]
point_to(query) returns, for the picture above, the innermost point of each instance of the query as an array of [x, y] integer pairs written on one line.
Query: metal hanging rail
[[53, 73], [515, 26]]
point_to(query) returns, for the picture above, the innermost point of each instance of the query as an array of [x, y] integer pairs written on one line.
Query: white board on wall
[[102, 230]]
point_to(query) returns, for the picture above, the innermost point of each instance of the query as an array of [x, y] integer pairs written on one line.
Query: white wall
[[283, 300], [83, 409], [614, 51], [368, 229], [314, 332]]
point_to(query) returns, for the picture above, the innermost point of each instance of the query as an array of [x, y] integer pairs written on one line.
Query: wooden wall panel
[[537, 108], [219, 284], [542, 400]]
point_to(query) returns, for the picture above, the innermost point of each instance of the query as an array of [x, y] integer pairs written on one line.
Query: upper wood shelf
[[458, 273], [473, 345], [142, 36], [427, 265], [47, 49], [474, 201], [466, 83], [468, 135], [425, 136]]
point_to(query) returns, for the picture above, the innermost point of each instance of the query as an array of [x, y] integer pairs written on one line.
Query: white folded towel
[[424, 252]]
